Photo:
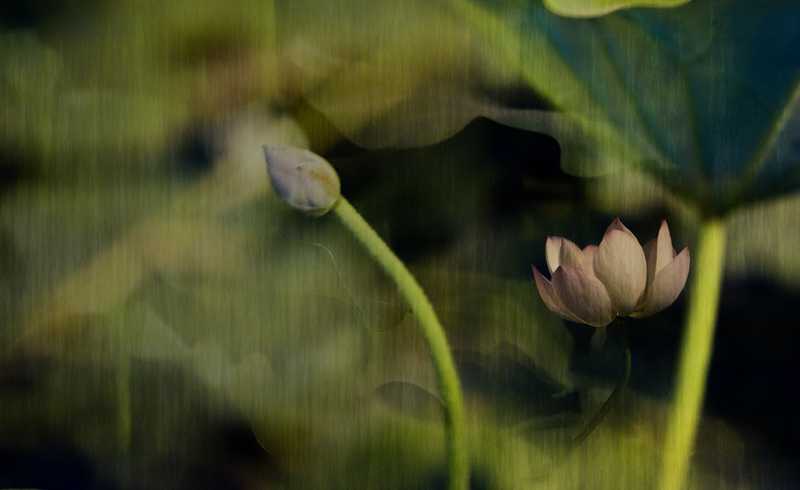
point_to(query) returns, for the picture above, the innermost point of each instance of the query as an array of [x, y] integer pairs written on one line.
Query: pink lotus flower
[[619, 278]]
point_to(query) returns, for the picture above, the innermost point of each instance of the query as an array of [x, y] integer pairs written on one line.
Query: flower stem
[[432, 332], [124, 418], [696, 350], [612, 399]]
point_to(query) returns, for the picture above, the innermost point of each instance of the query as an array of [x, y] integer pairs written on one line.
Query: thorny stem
[[432, 332]]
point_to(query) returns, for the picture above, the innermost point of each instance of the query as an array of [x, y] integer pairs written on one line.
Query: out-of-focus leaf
[[88, 246], [166, 247], [30, 77], [141, 334], [634, 192], [490, 315], [705, 94], [763, 240], [410, 399], [520, 391], [410, 51], [282, 336], [373, 447], [364, 283], [29, 70], [596, 8], [418, 89], [109, 84], [500, 322], [128, 331], [421, 82]]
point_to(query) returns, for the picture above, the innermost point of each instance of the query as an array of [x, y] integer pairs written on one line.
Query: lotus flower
[[618, 278]]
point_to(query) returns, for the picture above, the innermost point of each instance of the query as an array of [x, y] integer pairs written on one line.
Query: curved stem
[[432, 332], [612, 399], [696, 350], [598, 417]]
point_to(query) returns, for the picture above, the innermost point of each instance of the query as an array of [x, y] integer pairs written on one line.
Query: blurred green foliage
[[151, 290]]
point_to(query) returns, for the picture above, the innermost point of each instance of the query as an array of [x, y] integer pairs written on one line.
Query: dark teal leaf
[[705, 94]]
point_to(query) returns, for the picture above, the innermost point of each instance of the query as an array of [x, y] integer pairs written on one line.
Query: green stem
[[612, 399], [432, 332], [124, 418], [696, 350], [598, 417]]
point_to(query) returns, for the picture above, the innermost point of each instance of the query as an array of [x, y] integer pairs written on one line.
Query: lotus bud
[[309, 183], [617, 278], [303, 179]]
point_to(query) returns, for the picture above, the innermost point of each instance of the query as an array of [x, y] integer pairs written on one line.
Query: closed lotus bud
[[618, 278], [303, 179]]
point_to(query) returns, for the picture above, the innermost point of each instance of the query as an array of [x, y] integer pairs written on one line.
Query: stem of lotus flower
[[613, 398], [432, 332], [696, 350]]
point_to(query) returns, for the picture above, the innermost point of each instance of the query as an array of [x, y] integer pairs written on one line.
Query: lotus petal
[[552, 251], [584, 295], [570, 254], [658, 252], [618, 226], [650, 252], [589, 253], [667, 285], [550, 298], [620, 265], [664, 251]]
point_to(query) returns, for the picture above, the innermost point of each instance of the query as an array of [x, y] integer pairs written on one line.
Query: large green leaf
[[703, 96]]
